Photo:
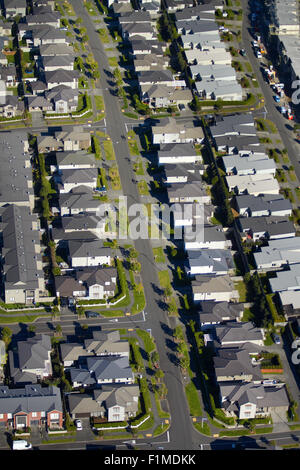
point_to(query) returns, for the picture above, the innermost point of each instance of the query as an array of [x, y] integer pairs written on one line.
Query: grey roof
[[83, 236], [30, 398], [80, 157], [203, 284], [212, 312], [81, 376], [66, 285], [19, 254], [238, 142], [136, 16], [61, 76], [268, 203], [110, 368], [81, 222], [14, 178], [57, 61], [155, 76], [77, 248], [219, 260], [118, 395], [286, 280], [240, 393], [56, 49], [96, 275], [80, 198], [269, 226], [196, 26], [173, 150], [241, 332], [34, 352], [79, 175], [190, 189], [233, 362], [233, 125]]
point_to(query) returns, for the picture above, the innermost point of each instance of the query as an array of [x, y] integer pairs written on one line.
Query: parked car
[[277, 99], [78, 424], [276, 339], [92, 314], [21, 445], [258, 54], [243, 52]]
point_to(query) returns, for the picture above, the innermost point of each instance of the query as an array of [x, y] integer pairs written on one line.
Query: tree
[[162, 391], [6, 334], [85, 38], [159, 375], [168, 292], [58, 330], [79, 64], [155, 357], [133, 253], [177, 333], [184, 362]]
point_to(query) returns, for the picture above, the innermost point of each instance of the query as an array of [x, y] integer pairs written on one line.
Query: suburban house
[[173, 153], [78, 200], [163, 96], [248, 400], [102, 370], [115, 403], [255, 184], [73, 160], [31, 406], [278, 253], [149, 62], [182, 173], [69, 179], [63, 98], [12, 107], [22, 269], [249, 165], [238, 333], [272, 227], [264, 205], [214, 288], [168, 131], [38, 103], [214, 313], [235, 365], [211, 89], [31, 361], [288, 280], [88, 253], [57, 77], [213, 237], [76, 139], [14, 7], [191, 191], [217, 262], [103, 343]]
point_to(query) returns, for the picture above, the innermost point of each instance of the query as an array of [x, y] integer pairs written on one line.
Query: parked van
[[21, 445]]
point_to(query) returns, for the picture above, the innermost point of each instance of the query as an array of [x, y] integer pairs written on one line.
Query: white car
[[78, 424]]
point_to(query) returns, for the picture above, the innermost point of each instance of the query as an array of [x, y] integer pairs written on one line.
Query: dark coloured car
[[92, 314]]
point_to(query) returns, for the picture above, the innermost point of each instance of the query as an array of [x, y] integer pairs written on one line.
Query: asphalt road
[[182, 434], [282, 123]]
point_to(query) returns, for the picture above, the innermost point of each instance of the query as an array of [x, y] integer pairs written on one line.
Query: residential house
[[9, 75], [217, 262], [238, 333], [278, 253], [169, 131], [12, 107], [258, 206], [102, 370], [14, 7], [288, 280], [52, 62], [31, 361], [173, 153], [272, 227], [78, 200], [22, 269], [73, 160], [31, 406], [192, 191], [255, 184], [249, 165], [88, 253], [57, 77], [38, 103], [115, 403], [214, 288], [103, 343], [220, 90], [70, 179], [215, 313], [63, 98], [235, 365], [162, 96], [249, 401], [212, 237]]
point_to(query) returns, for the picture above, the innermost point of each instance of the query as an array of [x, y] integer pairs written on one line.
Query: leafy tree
[[6, 334]]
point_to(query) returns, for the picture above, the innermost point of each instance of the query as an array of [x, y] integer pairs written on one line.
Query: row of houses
[[158, 86], [207, 57], [100, 365]]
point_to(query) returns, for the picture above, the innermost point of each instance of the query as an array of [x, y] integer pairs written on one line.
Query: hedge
[[111, 425]]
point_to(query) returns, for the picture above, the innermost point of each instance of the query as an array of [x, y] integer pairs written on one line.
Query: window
[[9, 415], [1, 416], [43, 414], [54, 415], [34, 414]]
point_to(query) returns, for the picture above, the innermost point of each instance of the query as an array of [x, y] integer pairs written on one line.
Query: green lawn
[[241, 287], [143, 188], [159, 255], [114, 176], [193, 400], [99, 103], [113, 61], [164, 279], [138, 167], [108, 150], [133, 146], [103, 35]]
